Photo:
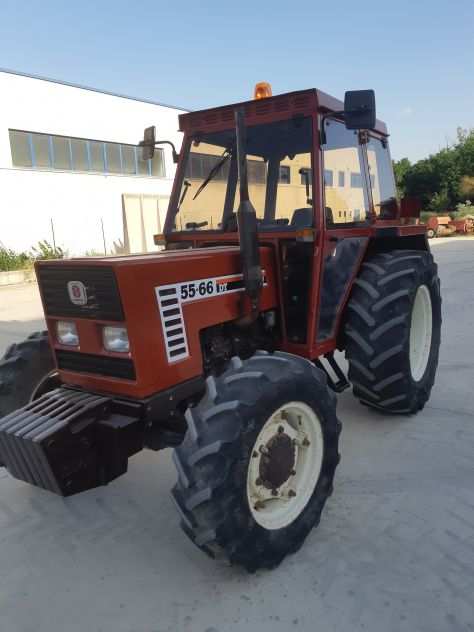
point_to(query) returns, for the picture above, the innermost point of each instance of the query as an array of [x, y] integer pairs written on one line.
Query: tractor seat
[[302, 218]]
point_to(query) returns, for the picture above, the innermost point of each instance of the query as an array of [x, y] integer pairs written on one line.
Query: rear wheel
[[257, 463], [26, 371], [393, 331]]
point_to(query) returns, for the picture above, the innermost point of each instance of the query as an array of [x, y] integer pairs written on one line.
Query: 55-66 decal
[[171, 297], [203, 288], [197, 289]]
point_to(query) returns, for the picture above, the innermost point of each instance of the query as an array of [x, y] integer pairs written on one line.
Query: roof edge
[[70, 84]]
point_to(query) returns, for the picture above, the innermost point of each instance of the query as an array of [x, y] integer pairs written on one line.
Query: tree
[[443, 179], [400, 169]]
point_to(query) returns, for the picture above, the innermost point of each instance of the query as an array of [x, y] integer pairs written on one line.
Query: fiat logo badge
[[77, 292]]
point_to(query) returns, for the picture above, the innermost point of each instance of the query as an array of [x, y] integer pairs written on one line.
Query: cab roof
[[281, 106]]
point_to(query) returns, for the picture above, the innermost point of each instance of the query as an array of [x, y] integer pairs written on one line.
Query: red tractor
[[222, 345]]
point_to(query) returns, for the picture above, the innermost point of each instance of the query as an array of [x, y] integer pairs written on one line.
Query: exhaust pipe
[[247, 223]]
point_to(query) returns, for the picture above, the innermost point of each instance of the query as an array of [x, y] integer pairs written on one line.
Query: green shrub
[[10, 260], [44, 250], [93, 253], [425, 215], [463, 209]]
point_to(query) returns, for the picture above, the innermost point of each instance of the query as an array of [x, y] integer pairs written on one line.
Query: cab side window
[[346, 199], [382, 180]]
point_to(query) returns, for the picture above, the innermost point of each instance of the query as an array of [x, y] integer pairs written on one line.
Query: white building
[[69, 165]]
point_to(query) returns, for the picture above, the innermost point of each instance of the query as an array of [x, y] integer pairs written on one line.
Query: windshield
[[279, 174]]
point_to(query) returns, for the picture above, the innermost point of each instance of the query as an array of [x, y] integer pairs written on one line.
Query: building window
[[96, 156], [46, 151], [129, 163], [114, 162], [303, 173], [158, 165], [284, 174], [328, 177], [341, 178], [80, 155], [356, 180], [21, 149], [41, 153], [61, 153]]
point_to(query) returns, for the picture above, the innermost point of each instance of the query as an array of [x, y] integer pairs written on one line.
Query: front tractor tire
[[393, 331], [26, 369], [258, 460]]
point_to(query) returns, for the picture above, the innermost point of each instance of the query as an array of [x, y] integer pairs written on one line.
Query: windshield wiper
[[186, 185], [214, 171]]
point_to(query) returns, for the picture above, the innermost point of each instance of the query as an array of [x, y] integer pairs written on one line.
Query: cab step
[[337, 381]]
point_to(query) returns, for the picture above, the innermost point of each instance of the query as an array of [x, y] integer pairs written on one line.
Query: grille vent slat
[[176, 342], [101, 286], [108, 366]]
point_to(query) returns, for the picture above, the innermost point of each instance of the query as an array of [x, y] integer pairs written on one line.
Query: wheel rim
[[285, 465], [420, 332]]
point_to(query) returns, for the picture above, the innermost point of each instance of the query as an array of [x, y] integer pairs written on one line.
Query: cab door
[[348, 217]]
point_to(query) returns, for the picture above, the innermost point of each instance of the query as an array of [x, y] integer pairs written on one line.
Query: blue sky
[[417, 55]]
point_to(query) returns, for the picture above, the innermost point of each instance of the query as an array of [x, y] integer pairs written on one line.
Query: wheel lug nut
[[274, 492], [293, 473], [291, 493], [254, 454], [306, 443], [259, 482], [280, 429]]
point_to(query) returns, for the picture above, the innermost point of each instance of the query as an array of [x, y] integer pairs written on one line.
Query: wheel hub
[[284, 466], [278, 461]]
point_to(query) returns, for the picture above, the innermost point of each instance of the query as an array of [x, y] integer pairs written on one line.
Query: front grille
[[107, 366], [103, 298]]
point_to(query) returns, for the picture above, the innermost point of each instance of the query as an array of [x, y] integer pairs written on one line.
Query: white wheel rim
[[420, 333], [278, 507]]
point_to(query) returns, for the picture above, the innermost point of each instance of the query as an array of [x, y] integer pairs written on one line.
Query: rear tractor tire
[[258, 460], [26, 371], [393, 331]]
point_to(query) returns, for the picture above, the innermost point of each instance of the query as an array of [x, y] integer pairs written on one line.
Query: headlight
[[66, 332], [116, 339]]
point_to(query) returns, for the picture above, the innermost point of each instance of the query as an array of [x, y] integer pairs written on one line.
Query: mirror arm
[[322, 133], [340, 113], [173, 148], [162, 142]]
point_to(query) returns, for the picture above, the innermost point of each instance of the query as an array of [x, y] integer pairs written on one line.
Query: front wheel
[[257, 463], [26, 371]]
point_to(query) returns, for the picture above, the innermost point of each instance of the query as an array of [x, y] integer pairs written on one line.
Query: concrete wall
[[76, 202]]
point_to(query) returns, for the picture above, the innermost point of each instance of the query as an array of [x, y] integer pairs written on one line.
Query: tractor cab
[[320, 182]]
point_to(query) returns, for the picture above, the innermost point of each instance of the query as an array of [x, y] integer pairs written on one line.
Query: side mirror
[[148, 143], [359, 109]]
